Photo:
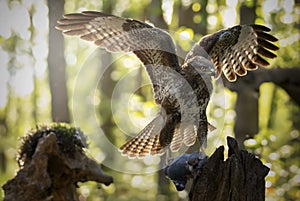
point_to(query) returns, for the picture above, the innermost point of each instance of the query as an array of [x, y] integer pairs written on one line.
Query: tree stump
[[53, 163], [240, 178]]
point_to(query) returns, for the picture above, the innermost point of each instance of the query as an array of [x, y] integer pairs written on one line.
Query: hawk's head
[[201, 64]]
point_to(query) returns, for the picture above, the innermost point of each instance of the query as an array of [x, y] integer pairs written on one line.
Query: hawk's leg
[[202, 130]]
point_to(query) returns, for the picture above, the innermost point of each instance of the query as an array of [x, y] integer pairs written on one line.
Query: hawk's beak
[[213, 72]]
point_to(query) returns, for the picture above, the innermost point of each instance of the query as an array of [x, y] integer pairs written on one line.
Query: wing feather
[[265, 36], [189, 134], [153, 46], [147, 141], [176, 141], [267, 44], [236, 50]]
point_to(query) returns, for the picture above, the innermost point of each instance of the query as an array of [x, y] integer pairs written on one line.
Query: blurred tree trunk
[[106, 87], [154, 13], [248, 14], [57, 65], [7, 127], [34, 94], [3, 134], [246, 106], [186, 16]]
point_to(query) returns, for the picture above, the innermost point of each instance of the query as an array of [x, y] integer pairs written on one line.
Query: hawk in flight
[[182, 91]]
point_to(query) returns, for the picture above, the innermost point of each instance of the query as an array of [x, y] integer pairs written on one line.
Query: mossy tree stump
[[53, 161]]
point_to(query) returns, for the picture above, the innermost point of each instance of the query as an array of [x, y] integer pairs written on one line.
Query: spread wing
[[152, 46], [236, 50]]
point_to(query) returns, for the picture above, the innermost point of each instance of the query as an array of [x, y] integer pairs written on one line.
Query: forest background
[[46, 77]]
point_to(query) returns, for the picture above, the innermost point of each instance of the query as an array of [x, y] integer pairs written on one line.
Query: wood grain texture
[[241, 177]]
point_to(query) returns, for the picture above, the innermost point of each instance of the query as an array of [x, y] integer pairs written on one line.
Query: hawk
[[182, 91]]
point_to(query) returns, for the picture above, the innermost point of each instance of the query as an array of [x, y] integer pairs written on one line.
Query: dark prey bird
[[182, 91]]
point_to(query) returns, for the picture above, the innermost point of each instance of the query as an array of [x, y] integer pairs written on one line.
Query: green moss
[[69, 140]]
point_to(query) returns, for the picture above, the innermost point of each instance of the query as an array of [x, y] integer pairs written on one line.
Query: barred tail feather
[[146, 142], [189, 134], [176, 141], [186, 134]]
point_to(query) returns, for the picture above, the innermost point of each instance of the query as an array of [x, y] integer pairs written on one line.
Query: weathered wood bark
[[52, 175], [239, 178]]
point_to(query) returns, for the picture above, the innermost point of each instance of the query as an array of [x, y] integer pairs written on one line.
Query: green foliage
[[277, 143]]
